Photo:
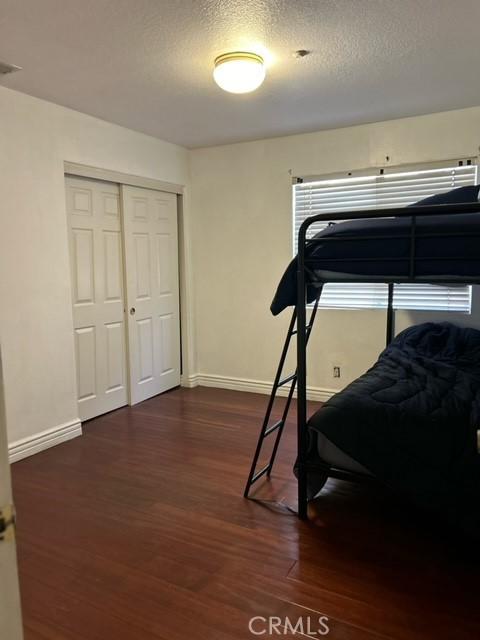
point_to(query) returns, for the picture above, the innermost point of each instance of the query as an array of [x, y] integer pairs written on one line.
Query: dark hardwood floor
[[138, 531]]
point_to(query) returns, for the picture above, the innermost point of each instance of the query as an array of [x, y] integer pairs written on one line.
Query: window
[[382, 189]]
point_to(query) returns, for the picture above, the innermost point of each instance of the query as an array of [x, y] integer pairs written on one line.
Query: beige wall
[[36, 137], [238, 240], [242, 223]]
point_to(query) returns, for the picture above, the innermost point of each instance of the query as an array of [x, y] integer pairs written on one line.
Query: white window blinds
[[381, 191]]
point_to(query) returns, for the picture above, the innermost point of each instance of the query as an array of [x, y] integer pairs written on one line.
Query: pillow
[[461, 195]]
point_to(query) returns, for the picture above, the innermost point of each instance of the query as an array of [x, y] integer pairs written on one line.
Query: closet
[[123, 243]]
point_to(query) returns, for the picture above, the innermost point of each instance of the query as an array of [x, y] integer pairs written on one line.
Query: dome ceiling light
[[239, 71]]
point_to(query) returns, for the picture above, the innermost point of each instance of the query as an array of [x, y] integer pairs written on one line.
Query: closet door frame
[[95, 173], [76, 170]]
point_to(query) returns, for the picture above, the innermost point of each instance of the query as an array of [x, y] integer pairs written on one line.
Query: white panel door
[[10, 614], [151, 258], [96, 257]]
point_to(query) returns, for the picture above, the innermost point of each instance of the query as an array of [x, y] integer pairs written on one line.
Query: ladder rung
[[273, 428], [295, 331], [260, 473], [287, 380]]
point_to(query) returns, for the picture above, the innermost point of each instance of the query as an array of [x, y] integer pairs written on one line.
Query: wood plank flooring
[[138, 531]]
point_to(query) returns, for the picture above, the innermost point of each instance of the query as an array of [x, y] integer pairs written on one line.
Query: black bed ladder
[[267, 429]]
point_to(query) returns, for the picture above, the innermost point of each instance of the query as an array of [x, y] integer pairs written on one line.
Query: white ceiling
[[147, 64]]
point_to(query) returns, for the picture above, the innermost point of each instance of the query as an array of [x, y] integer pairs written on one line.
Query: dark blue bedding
[[412, 420], [374, 257]]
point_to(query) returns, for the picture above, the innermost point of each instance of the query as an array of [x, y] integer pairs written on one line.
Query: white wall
[[242, 201], [238, 209], [36, 137]]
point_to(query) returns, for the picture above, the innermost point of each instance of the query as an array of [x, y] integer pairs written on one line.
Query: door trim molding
[[44, 440], [96, 173]]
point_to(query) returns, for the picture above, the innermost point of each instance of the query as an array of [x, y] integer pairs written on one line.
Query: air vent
[[6, 68]]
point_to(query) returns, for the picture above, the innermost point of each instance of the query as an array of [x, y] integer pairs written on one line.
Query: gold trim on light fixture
[[238, 55]]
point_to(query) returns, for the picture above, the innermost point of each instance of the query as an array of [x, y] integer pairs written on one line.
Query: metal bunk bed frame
[[298, 326], [305, 276]]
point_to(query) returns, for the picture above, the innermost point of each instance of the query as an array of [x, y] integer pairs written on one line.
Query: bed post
[[301, 377], [390, 327]]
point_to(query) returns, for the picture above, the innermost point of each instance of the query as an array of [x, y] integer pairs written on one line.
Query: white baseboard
[[189, 381], [253, 386], [44, 440]]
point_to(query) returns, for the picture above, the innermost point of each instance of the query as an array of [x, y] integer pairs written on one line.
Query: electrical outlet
[[336, 372]]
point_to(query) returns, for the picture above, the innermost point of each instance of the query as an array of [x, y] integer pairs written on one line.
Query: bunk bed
[[435, 241]]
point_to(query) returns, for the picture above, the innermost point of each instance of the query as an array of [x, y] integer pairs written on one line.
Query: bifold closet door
[[94, 217], [152, 290]]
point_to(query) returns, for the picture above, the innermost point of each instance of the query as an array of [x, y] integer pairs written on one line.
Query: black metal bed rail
[[399, 236], [412, 259], [394, 212], [391, 259]]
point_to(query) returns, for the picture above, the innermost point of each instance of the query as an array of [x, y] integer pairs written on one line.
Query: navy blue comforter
[[412, 420]]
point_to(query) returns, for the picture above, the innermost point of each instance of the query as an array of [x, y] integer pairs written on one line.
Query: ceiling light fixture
[[239, 72]]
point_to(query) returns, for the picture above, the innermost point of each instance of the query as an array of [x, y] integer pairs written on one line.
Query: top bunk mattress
[[446, 251]]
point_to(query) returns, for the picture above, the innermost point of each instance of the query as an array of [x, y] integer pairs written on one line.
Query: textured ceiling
[[147, 64]]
